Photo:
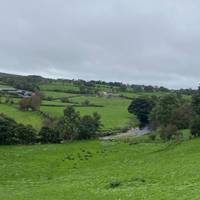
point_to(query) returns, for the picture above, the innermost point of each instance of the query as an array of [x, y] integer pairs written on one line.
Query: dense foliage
[[14, 133], [171, 113], [142, 107], [73, 126]]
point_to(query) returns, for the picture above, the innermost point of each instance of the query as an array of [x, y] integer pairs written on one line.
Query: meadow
[[114, 111], [24, 117], [93, 170]]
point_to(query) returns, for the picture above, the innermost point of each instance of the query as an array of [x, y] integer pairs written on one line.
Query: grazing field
[[100, 170], [4, 86], [31, 118], [114, 112], [57, 94], [59, 86]]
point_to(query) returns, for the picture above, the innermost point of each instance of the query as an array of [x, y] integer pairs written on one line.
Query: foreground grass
[[90, 170]]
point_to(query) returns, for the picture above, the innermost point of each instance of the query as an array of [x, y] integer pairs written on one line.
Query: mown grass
[[88, 171], [31, 118]]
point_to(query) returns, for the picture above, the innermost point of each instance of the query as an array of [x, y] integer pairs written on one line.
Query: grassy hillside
[[114, 112], [100, 170], [31, 118]]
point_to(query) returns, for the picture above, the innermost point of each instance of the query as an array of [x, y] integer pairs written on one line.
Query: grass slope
[[114, 113], [85, 170], [26, 118]]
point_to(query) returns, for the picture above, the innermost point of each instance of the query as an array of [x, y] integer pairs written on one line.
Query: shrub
[[48, 135], [168, 132], [141, 107], [86, 102], [195, 126], [89, 125], [65, 100], [13, 133], [152, 136], [25, 134]]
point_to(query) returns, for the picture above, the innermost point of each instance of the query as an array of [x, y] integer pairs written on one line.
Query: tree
[[182, 116], [168, 132], [35, 102], [89, 125], [163, 113], [32, 102], [195, 126], [25, 134], [141, 107], [49, 135], [14, 133], [196, 102], [69, 124], [7, 125]]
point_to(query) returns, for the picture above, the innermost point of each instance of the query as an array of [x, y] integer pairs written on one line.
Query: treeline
[[70, 127], [168, 114], [32, 83]]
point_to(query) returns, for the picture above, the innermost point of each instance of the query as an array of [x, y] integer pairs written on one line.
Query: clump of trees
[[71, 126], [195, 124], [168, 114], [32, 102], [14, 133], [142, 107]]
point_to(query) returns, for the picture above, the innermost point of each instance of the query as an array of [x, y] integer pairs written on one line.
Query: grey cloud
[[134, 41]]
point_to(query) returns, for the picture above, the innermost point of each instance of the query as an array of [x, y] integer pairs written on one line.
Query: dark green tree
[[49, 135], [89, 125], [141, 107], [163, 113], [69, 124]]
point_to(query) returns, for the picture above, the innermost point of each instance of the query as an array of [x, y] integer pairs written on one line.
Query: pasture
[[114, 111], [93, 170], [24, 117]]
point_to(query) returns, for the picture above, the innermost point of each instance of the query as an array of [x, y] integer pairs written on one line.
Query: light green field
[[58, 86], [57, 94], [114, 114], [136, 94], [2, 86], [31, 118], [85, 170]]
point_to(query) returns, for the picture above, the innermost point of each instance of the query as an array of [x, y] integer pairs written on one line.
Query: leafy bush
[[141, 107], [152, 136], [25, 134], [195, 126], [49, 135], [13, 133], [89, 125], [168, 132]]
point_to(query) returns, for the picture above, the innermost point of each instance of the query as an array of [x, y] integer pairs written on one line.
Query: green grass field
[[90, 170], [4, 86], [59, 86], [57, 94], [31, 118], [114, 113]]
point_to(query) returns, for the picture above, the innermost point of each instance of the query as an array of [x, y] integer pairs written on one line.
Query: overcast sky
[[134, 41]]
